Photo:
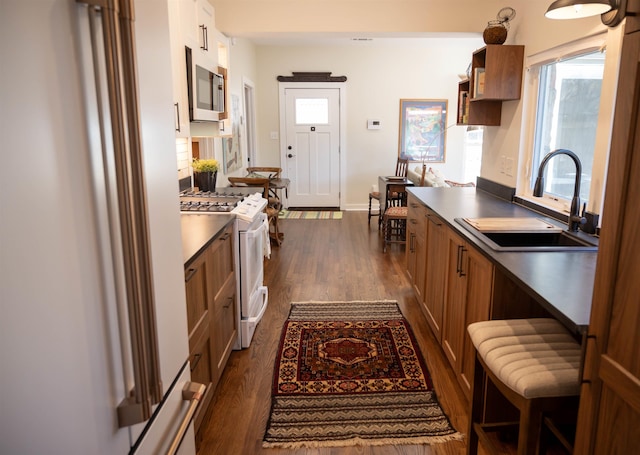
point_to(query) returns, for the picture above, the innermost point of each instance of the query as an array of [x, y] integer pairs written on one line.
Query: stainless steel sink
[[552, 240]]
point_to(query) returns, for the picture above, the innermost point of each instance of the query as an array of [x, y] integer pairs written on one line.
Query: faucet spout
[[575, 220]]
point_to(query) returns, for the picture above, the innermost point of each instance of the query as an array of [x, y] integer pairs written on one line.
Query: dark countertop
[[561, 282], [199, 230]]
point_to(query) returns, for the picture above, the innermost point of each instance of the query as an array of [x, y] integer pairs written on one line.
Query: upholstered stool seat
[[534, 363]]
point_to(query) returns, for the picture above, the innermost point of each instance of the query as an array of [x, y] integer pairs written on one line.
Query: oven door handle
[[253, 233], [265, 301]]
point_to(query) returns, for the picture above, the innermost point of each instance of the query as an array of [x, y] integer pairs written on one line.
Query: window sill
[[532, 203]]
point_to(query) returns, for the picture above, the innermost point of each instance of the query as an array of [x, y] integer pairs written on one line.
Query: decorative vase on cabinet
[[495, 33], [206, 181], [205, 173]]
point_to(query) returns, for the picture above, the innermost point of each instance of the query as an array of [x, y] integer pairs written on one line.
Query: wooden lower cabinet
[[453, 326], [458, 291], [435, 273], [467, 300], [416, 246], [211, 317]]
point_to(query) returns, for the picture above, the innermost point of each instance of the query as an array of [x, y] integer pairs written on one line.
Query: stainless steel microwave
[[205, 90]]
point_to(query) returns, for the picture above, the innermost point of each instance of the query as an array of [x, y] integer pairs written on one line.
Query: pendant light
[[576, 9], [611, 11]]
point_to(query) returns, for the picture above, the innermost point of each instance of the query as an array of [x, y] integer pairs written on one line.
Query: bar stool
[[534, 363]]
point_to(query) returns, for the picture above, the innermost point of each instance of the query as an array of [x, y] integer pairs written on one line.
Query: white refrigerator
[[66, 362]]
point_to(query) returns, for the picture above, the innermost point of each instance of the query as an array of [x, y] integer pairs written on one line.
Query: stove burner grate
[[207, 206]]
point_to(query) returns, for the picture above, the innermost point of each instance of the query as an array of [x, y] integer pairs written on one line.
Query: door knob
[[289, 148], [290, 155]]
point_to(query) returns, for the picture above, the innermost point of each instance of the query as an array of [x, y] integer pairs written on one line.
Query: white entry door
[[312, 146]]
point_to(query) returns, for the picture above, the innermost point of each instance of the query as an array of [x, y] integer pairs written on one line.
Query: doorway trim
[[248, 100], [342, 90]]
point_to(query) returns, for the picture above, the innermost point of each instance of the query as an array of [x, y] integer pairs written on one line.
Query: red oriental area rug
[[351, 373]]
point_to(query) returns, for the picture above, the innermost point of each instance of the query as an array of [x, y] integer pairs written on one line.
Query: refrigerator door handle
[[132, 232], [193, 393]]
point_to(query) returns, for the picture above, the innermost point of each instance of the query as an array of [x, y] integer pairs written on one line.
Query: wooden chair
[[273, 206], [402, 166], [270, 172], [394, 219]]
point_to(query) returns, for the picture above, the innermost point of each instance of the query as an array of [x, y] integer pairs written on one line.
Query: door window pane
[[312, 111], [566, 118]]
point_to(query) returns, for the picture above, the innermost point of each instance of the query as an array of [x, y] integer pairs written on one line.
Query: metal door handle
[[193, 393], [290, 155]]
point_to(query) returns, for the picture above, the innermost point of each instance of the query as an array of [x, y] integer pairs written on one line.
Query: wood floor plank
[[322, 260]]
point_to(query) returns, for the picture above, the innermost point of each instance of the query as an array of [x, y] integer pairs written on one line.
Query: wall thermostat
[[373, 124]]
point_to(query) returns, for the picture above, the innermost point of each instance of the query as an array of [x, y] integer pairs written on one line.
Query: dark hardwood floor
[[326, 260]]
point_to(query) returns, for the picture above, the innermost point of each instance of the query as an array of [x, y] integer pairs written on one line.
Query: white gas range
[[252, 237]]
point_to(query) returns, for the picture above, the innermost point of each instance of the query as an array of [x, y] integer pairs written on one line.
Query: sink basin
[[549, 240]]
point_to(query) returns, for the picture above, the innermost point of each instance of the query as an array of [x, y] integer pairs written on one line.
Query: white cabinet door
[[206, 29], [179, 70], [189, 23]]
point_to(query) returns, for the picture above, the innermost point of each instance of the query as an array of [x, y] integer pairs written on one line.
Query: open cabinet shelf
[[496, 76]]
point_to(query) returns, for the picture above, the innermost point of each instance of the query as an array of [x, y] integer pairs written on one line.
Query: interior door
[[312, 143]]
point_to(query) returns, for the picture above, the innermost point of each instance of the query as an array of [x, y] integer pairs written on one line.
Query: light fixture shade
[[575, 9]]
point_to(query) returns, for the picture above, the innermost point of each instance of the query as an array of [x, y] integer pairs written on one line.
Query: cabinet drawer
[[224, 325], [202, 372], [195, 278], [416, 215], [221, 260]]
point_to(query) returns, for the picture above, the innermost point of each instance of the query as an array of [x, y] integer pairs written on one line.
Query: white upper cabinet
[[197, 19], [206, 27], [179, 70], [192, 25], [189, 22]]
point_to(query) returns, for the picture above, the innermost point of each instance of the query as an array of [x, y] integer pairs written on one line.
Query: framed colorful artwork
[[231, 151], [423, 124]]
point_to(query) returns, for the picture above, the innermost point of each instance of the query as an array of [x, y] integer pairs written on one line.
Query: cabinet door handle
[[458, 260], [205, 38], [224, 236], [230, 300], [177, 117], [190, 275], [462, 251], [411, 243], [196, 359]]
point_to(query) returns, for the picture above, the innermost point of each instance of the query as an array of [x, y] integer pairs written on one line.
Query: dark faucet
[[575, 220]]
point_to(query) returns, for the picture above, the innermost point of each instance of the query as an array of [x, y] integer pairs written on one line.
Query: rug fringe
[[420, 440]]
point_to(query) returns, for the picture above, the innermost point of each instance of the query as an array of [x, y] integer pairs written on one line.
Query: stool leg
[[477, 404], [529, 431], [369, 209], [385, 229]]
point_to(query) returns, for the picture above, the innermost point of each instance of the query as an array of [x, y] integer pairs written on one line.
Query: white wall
[[537, 34], [379, 74], [416, 68]]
